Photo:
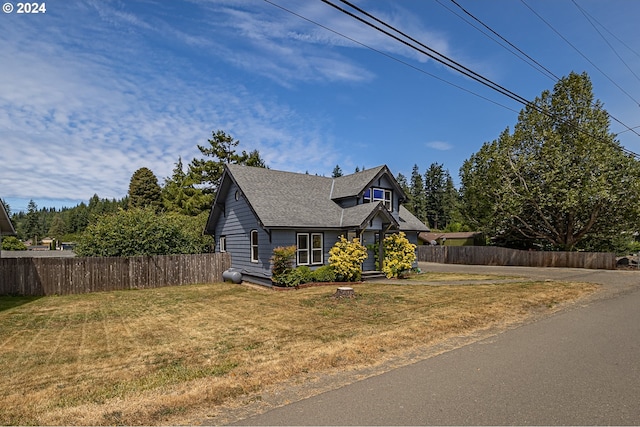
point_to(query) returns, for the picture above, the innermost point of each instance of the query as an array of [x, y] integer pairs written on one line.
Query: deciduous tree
[[559, 178], [140, 231]]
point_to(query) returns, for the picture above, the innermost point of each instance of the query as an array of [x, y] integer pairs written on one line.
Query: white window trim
[[252, 246], [223, 243], [388, 203], [310, 250], [319, 249], [300, 251]]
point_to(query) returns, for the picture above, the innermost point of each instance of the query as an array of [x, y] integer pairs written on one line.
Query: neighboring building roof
[[428, 237], [6, 227], [294, 200]]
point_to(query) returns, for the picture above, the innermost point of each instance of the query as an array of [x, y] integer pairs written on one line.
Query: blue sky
[[90, 91]]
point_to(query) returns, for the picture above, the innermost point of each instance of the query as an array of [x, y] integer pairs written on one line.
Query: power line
[[614, 36], [579, 52], [441, 59], [588, 18], [390, 56], [539, 68], [431, 53], [483, 80], [519, 50]]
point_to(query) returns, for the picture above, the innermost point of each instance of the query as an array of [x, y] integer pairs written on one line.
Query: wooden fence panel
[[489, 255], [66, 276]]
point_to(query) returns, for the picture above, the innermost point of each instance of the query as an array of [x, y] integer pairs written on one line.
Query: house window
[[254, 245], [379, 195], [316, 248], [310, 250], [223, 243]]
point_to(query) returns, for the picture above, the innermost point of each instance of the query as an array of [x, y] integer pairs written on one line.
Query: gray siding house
[[257, 210], [6, 227]]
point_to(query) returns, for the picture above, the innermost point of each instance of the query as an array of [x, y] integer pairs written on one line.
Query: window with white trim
[[309, 249], [379, 195], [223, 243], [254, 245]]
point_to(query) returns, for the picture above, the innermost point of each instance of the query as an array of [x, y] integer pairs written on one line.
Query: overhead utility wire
[[425, 72], [493, 85], [587, 16], [446, 61], [590, 18], [549, 73], [581, 54], [504, 91], [613, 35], [519, 50], [390, 56]]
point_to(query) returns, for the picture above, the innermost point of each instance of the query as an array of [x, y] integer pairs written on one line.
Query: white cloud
[[95, 91], [75, 124], [439, 145]]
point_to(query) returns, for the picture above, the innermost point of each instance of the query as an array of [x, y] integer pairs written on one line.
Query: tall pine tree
[[418, 201], [144, 190], [207, 172]]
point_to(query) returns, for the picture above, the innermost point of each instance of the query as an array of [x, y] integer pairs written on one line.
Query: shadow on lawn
[[8, 302]]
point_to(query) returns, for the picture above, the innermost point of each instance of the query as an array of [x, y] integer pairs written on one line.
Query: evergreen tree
[[207, 173], [180, 195], [254, 159], [451, 205], [337, 172], [441, 196], [144, 190], [77, 219], [418, 201], [402, 181], [58, 227], [31, 228]]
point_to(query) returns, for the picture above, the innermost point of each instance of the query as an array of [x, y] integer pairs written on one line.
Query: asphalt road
[[580, 366]]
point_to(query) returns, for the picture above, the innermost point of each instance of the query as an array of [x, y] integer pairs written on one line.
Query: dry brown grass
[[174, 355], [434, 276]]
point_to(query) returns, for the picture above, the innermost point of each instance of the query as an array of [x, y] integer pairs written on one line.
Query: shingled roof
[[294, 200], [6, 228]]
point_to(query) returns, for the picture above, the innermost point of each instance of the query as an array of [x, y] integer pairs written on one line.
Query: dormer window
[[373, 195]]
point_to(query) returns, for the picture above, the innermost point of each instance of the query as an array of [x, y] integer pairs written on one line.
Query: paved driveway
[[615, 278], [577, 367]]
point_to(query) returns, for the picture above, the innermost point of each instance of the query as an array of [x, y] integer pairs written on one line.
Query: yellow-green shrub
[[399, 255], [346, 258]]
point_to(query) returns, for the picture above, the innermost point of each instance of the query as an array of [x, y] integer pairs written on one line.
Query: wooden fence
[[490, 255], [65, 276]]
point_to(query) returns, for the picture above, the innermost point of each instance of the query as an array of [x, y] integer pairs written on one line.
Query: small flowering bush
[[399, 255], [282, 262], [346, 258]]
